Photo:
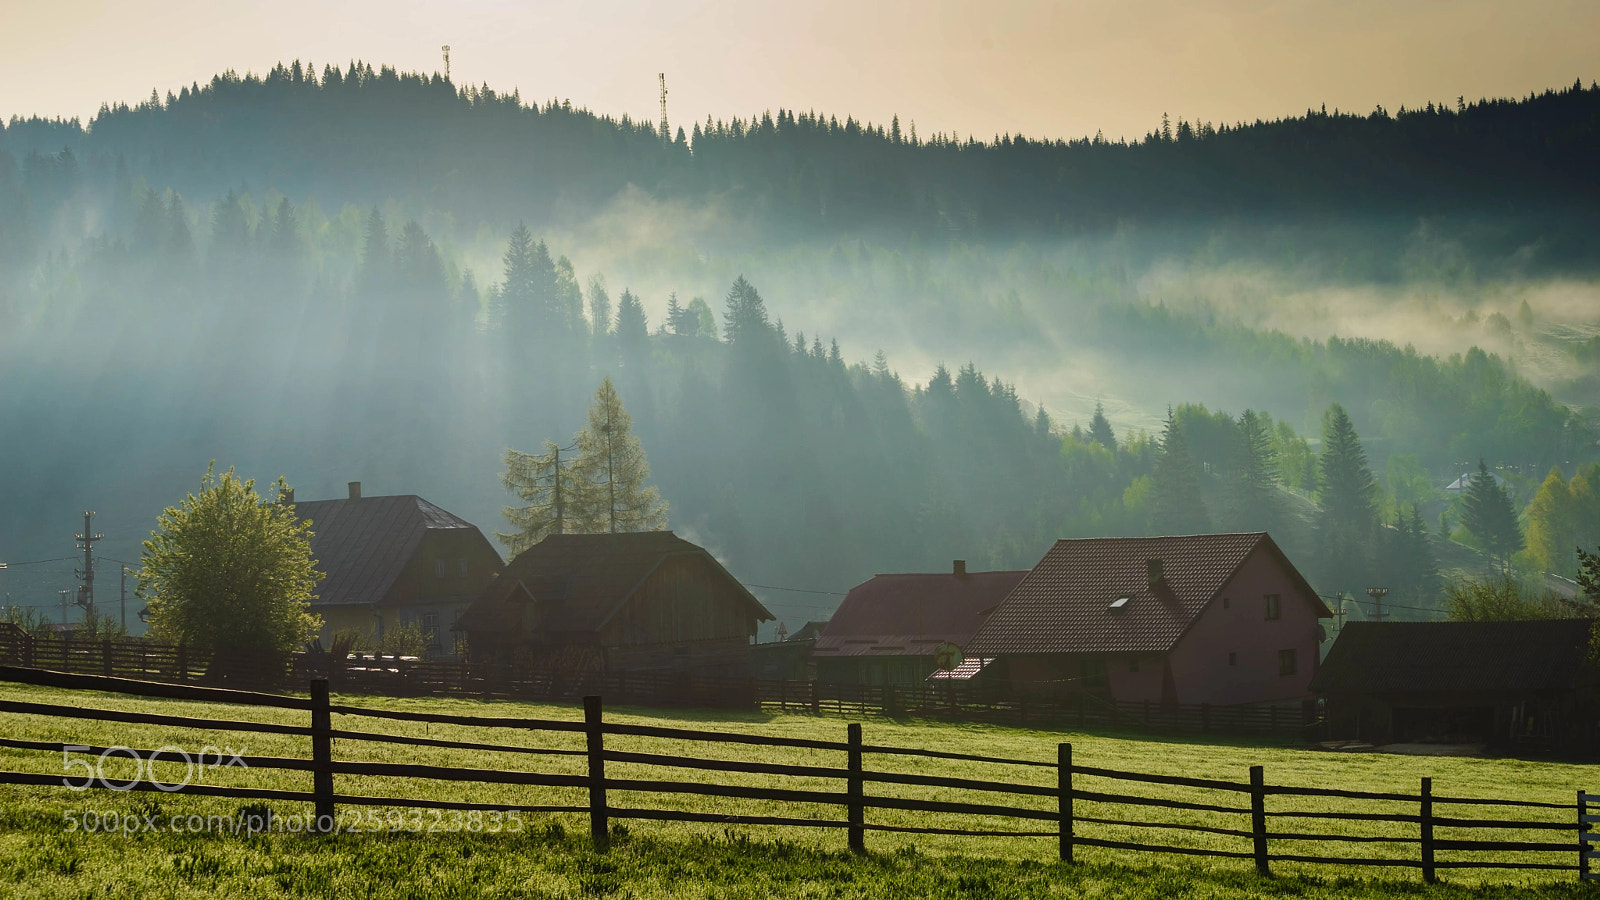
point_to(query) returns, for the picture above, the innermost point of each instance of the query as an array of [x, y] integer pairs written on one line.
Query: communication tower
[[666, 133], [446, 49]]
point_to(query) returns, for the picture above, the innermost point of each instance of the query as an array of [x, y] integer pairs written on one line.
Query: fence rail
[[1092, 806], [391, 676]]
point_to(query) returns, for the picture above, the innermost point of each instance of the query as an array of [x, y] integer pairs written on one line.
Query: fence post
[[105, 657], [595, 740], [1427, 831], [1258, 818], [1064, 801], [1583, 842], [322, 755], [855, 813]]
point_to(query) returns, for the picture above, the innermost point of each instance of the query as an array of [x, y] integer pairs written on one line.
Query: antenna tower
[[446, 49], [666, 133], [86, 575]]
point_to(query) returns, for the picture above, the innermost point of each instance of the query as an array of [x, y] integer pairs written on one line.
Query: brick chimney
[[959, 568], [355, 490], [1153, 569]]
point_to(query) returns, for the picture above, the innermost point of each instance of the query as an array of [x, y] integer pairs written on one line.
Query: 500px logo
[[209, 758]]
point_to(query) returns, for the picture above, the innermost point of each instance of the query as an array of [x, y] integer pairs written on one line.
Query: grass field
[[548, 854]]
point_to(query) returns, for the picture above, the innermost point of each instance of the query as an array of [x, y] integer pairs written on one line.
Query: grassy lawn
[[547, 854]]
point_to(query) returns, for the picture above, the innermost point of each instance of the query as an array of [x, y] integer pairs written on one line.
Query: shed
[[1516, 684]]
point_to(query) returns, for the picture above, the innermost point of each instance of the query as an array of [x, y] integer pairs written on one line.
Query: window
[[1233, 658], [430, 630], [461, 568], [438, 568], [1274, 606], [1285, 663]]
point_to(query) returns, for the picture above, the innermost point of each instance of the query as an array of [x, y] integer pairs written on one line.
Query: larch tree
[[599, 306], [556, 500], [612, 464]]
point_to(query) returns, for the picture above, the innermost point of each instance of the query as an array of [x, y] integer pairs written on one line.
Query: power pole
[[122, 599], [558, 491], [666, 133], [446, 49], [1377, 595], [86, 543]]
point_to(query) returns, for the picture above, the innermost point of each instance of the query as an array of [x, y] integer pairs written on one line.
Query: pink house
[[1205, 618]]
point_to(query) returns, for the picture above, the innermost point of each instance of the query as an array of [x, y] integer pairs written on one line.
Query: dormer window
[[438, 568], [1120, 604]]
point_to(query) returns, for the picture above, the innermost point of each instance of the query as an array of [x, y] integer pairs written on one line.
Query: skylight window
[[1119, 604]]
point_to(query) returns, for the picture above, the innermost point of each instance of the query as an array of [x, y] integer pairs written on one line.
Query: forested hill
[[364, 134]]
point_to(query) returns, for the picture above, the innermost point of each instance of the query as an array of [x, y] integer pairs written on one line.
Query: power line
[[36, 562], [773, 587]]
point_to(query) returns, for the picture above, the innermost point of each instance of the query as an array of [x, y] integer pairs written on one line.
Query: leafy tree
[[1100, 428], [1589, 580], [1178, 507], [1499, 598], [699, 320], [1488, 514], [405, 639], [229, 570], [611, 461], [1347, 493], [1552, 525]]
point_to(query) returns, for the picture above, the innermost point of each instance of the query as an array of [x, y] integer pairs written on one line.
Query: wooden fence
[[392, 676], [1072, 805]]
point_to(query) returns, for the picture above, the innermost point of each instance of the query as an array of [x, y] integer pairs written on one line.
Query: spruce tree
[[1488, 514], [1347, 492], [1178, 508], [1253, 501], [633, 329], [746, 317], [1100, 428]]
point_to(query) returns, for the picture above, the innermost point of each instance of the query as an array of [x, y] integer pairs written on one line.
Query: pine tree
[[612, 464], [1100, 428], [1347, 492], [1178, 508], [1488, 514]]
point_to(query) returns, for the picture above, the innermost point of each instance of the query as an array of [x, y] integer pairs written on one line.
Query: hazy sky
[[1056, 69]]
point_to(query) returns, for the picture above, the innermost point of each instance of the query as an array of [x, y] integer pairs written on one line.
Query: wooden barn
[[392, 561], [1516, 685], [1214, 619], [888, 627], [647, 602]]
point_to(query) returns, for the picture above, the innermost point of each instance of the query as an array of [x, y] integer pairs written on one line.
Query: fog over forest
[[847, 348]]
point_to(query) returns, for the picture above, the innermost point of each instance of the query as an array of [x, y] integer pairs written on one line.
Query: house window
[[1285, 663], [1233, 658], [430, 630], [438, 568], [1274, 606], [461, 567]]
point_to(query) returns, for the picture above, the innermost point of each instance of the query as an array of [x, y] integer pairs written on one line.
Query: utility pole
[[558, 491], [63, 592], [122, 599], [1377, 595], [86, 543]]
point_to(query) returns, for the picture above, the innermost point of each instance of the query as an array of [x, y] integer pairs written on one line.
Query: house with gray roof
[[395, 560]]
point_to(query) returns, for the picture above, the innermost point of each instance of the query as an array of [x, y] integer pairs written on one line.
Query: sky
[[1064, 69]]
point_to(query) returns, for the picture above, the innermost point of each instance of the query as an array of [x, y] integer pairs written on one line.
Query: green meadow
[[55, 842]]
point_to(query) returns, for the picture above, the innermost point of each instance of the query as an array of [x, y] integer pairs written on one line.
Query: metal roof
[[912, 614], [363, 544], [1449, 657], [1064, 604]]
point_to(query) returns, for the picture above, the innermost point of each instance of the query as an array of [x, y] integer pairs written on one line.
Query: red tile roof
[[912, 614], [1062, 606]]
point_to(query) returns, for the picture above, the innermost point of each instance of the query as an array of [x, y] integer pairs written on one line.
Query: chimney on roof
[[958, 567], [1153, 569], [355, 490]]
